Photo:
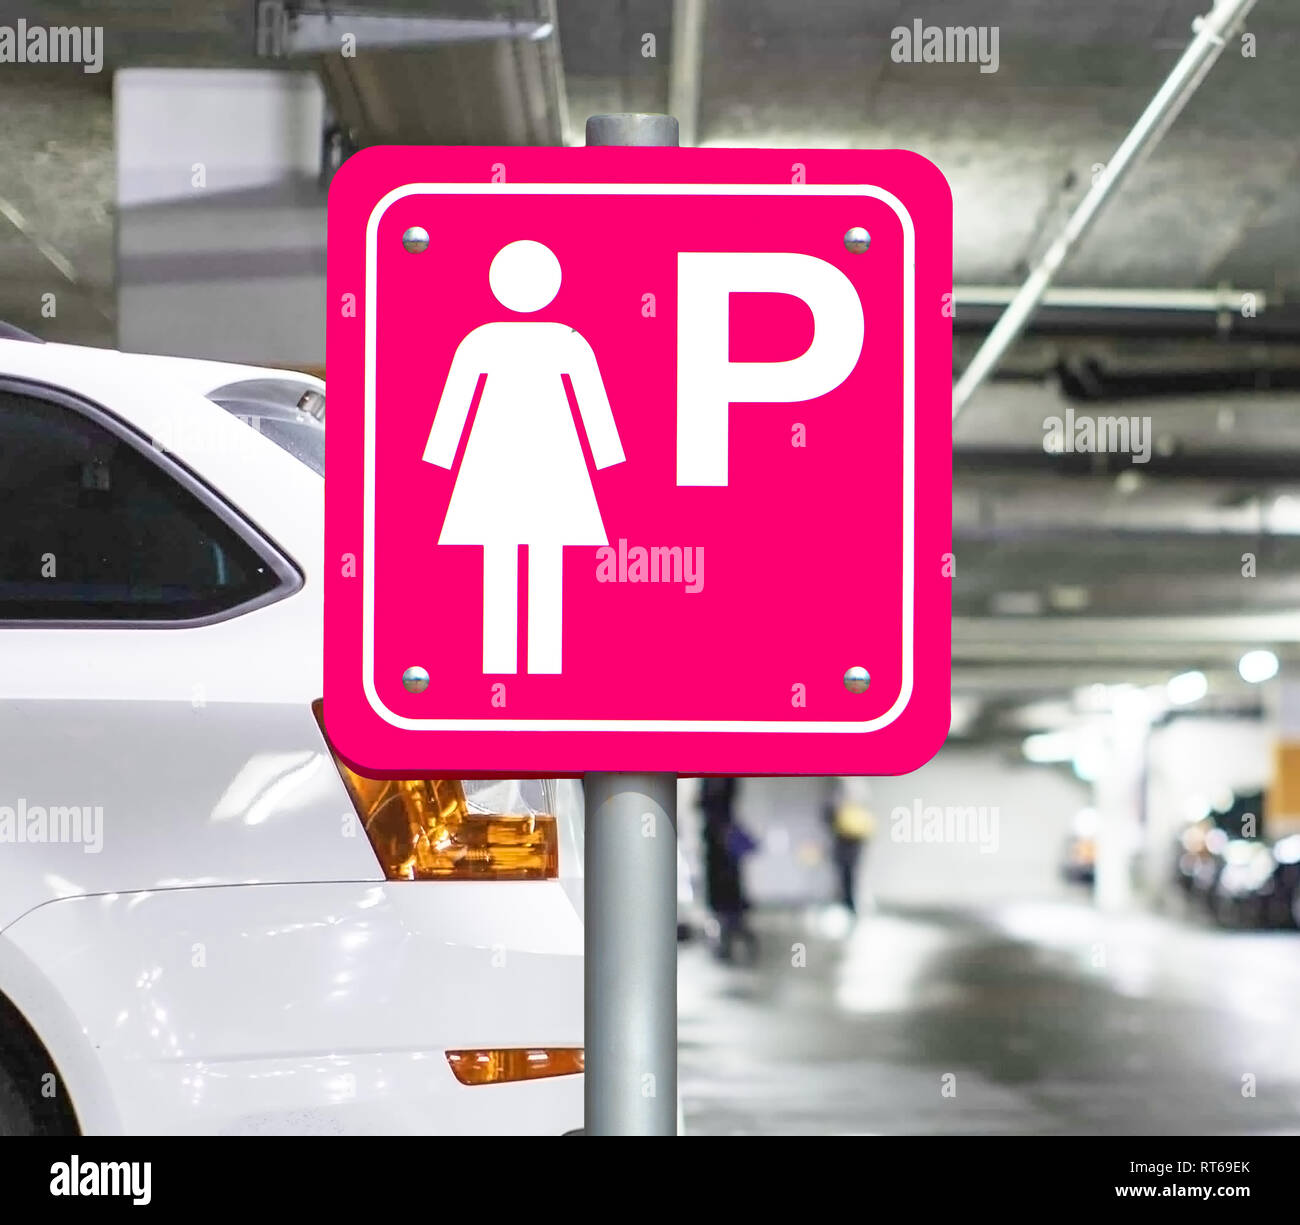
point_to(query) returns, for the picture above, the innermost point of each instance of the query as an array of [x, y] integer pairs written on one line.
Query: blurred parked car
[[1242, 889], [1198, 860], [1260, 884]]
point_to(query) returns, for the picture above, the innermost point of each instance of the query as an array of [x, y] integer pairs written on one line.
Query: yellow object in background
[[854, 821]]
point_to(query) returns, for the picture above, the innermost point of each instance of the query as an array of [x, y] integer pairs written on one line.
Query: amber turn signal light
[[494, 1067], [422, 829]]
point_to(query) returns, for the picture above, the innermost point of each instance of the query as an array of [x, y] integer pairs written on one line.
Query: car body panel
[[237, 782], [228, 954], [314, 1007]]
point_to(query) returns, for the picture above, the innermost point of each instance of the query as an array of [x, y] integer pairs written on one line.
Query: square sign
[[639, 459]]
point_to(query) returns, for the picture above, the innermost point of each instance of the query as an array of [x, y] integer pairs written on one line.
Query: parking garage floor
[[1045, 1017]]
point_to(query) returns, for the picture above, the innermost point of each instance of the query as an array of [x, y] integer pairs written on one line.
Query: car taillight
[[492, 1067], [423, 829]]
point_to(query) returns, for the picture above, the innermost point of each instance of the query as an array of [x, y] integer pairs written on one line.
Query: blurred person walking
[[725, 844], [852, 826]]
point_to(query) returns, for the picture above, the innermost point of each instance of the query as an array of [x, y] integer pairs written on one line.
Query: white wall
[[232, 266], [1035, 805], [235, 280], [248, 128]]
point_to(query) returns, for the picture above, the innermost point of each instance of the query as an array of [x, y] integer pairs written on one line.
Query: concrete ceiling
[[1056, 554], [1216, 202]]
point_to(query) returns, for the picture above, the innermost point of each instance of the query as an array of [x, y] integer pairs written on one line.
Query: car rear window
[[94, 529]]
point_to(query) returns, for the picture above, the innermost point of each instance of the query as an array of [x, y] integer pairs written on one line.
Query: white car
[[208, 924]]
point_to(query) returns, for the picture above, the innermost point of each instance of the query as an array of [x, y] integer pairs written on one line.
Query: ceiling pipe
[[1100, 298], [1211, 34], [1119, 637], [1279, 324], [287, 28]]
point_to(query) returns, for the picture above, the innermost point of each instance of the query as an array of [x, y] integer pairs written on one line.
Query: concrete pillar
[[1119, 798]]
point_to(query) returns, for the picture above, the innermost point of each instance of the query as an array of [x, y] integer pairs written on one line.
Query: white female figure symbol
[[523, 479]]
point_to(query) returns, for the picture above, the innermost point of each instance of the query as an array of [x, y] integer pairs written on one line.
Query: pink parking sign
[[639, 459]]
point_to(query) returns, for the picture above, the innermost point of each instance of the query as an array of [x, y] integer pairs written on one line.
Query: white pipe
[[1206, 301], [1212, 32], [1119, 635]]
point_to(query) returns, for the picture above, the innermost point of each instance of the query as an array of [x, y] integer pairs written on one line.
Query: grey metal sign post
[[631, 893]]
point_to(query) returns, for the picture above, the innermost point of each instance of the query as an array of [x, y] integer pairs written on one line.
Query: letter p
[[708, 383]]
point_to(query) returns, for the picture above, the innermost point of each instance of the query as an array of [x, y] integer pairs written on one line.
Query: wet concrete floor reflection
[[1044, 1017]]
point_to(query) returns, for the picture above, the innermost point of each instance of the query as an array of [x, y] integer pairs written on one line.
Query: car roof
[[195, 374], [165, 398]]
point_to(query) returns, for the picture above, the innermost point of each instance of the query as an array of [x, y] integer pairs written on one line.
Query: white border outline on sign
[[909, 460]]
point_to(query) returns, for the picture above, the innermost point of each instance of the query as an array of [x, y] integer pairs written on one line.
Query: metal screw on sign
[[415, 680], [857, 240], [856, 680]]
